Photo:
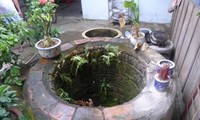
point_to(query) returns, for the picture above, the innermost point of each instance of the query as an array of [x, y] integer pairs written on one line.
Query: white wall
[[95, 9], [155, 11], [151, 11]]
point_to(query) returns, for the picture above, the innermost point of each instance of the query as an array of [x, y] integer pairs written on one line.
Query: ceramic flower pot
[[163, 62], [161, 85], [140, 39], [49, 52]]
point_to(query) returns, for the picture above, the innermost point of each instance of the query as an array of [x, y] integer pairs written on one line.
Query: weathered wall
[[95, 9], [185, 34]]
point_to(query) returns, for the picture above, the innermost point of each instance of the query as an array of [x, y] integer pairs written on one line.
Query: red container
[[68, 1]]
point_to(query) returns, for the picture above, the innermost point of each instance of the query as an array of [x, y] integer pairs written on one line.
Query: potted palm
[[139, 37], [162, 79], [47, 47]]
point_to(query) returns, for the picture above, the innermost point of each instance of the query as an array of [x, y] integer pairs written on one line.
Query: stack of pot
[[159, 41], [162, 78]]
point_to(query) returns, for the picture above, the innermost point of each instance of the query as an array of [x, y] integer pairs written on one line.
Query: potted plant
[[162, 79], [139, 37], [47, 47]]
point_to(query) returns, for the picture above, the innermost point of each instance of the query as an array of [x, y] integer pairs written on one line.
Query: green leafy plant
[[64, 95], [111, 52], [104, 87], [12, 76], [198, 13], [7, 39], [113, 49], [79, 62], [66, 78], [107, 58], [15, 32], [8, 99], [39, 18], [11, 34], [134, 7]]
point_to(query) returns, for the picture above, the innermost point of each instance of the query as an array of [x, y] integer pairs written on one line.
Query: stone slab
[[120, 112], [62, 112], [66, 46], [86, 113]]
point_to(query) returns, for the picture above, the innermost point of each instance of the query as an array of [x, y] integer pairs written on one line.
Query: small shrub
[[8, 99]]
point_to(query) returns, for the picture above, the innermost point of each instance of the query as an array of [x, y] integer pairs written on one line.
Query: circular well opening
[[90, 77]]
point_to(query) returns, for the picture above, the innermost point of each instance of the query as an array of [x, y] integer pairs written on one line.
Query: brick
[[42, 98], [120, 112], [62, 112], [81, 41], [66, 46], [97, 39], [43, 61], [86, 113]]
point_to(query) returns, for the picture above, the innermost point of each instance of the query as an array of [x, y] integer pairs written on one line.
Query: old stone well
[[110, 81]]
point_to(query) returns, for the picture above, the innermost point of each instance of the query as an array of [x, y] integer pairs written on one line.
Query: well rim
[[47, 106]]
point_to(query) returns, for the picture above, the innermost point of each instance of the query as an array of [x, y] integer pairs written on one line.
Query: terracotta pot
[[49, 52]]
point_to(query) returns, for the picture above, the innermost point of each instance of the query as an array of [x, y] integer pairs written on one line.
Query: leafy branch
[[133, 5], [104, 87], [66, 78], [64, 95], [111, 52], [79, 62], [8, 99]]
